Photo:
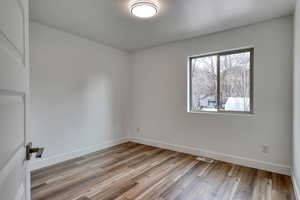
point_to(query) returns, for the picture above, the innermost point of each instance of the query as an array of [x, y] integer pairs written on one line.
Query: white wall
[[296, 135], [83, 92], [79, 93], [159, 95]]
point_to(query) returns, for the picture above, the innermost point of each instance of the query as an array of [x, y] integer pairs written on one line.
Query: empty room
[[149, 100]]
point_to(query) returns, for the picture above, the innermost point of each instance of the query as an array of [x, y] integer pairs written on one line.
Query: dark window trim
[[218, 54]]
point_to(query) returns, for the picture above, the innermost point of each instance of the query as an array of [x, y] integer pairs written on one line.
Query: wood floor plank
[[133, 171]]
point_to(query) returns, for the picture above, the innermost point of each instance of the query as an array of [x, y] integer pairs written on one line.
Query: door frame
[[27, 94]]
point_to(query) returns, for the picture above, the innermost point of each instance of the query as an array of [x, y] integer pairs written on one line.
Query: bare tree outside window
[[204, 83], [221, 82]]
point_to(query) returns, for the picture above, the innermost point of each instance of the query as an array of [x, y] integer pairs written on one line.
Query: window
[[221, 82]]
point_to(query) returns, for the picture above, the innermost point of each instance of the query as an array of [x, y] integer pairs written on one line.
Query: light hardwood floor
[[134, 171]]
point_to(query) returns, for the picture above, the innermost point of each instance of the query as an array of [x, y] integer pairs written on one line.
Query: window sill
[[232, 113]]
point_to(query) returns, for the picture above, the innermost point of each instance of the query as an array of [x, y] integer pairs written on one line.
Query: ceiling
[[109, 21]]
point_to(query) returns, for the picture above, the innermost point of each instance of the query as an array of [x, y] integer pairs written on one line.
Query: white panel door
[[14, 82]]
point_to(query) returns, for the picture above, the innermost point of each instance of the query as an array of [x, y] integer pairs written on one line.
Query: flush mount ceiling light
[[144, 8]]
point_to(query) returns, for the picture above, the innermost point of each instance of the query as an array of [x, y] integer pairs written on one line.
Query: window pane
[[204, 84], [235, 82]]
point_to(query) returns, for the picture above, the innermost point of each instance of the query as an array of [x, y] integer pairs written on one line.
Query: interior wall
[[296, 132], [159, 99], [79, 95]]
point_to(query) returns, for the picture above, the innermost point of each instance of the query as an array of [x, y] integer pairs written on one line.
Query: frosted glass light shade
[[144, 9]]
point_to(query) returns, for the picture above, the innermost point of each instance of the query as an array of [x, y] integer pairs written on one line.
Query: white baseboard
[[295, 185], [281, 169], [37, 164]]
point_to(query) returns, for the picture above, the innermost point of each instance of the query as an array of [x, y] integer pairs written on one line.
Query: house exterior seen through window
[[221, 82]]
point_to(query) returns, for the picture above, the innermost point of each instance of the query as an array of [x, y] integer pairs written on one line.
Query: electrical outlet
[[265, 149], [138, 130]]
